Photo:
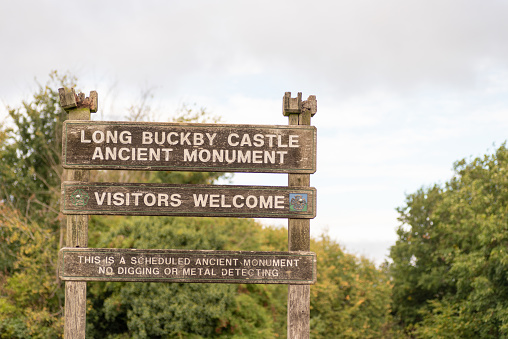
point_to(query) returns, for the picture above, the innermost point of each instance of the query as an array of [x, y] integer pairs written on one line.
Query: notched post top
[[291, 105], [297, 106], [70, 100]]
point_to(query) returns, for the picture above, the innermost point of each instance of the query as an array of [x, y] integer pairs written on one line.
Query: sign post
[[89, 145], [299, 113], [79, 108]]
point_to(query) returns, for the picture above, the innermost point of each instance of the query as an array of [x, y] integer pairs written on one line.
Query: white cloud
[[404, 88]]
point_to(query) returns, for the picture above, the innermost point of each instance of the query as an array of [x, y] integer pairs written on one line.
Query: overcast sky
[[404, 88]]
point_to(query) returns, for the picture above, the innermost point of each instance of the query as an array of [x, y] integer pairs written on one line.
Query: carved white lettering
[[83, 140]]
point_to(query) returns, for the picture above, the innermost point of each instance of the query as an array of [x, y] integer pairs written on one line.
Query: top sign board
[[189, 147]]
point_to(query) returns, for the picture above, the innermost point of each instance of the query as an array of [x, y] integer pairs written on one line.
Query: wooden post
[[299, 113], [79, 108]]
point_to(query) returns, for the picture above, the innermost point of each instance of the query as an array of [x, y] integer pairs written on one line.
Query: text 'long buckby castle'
[[189, 147]]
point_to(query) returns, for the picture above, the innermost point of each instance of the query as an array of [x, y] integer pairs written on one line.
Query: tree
[[30, 174], [351, 298], [153, 310], [31, 305], [30, 170], [450, 263], [30, 235]]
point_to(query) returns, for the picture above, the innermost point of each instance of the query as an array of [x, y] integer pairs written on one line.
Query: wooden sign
[[188, 200], [189, 147], [242, 267]]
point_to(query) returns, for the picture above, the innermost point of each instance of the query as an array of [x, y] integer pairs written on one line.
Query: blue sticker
[[298, 202]]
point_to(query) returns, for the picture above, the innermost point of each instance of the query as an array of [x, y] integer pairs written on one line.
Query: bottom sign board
[[191, 266]]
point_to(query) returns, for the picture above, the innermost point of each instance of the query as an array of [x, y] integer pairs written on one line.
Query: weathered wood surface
[[75, 309], [79, 108], [298, 312], [188, 200], [299, 113], [69, 101], [242, 267], [189, 147]]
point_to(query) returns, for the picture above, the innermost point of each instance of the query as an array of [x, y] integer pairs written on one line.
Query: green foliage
[[450, 264], [31, 295], [349, 300], [31, 302], [187, 114], [351, 297], [30, 169], [414, 284], [152, 310]]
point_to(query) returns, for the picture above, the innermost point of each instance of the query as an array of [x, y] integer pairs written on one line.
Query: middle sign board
[[188, 200], [189, 147]]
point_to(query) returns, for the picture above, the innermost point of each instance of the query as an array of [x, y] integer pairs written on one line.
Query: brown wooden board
[[188, 200], [189, 147], [242, 267]]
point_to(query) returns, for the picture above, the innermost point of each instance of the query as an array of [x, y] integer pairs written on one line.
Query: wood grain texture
[[82, 113], [67, 98], [94, 102], [75, 310], [188, 200], [189, 147], [299, 235], [299, 230], [77, 232], [291, 105], [298, 313], [187, 266], [77, 225]]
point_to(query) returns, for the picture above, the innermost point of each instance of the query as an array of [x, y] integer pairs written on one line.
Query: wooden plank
[[78, 108], [188, 200], [299, 113], [298, 311], [67, 98], [75, 309], [189, 147], [191, 266]]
